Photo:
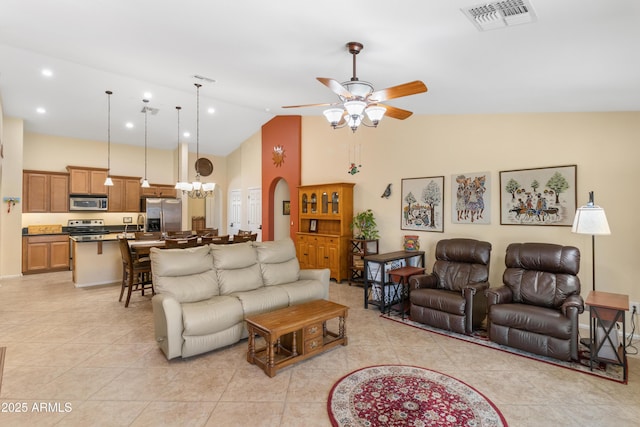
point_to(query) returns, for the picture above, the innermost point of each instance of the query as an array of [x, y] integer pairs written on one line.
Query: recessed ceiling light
[[129, 125], [186, 134], [47, 72], [147, 95], [211, 110], [40, 110]]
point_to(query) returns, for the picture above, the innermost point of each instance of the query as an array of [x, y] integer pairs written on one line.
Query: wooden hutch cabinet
[[324, 232]]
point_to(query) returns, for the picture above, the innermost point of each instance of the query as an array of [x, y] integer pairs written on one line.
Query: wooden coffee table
[[295, 333]]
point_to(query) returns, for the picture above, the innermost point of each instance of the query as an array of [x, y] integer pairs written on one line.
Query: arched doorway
[[281, 210]]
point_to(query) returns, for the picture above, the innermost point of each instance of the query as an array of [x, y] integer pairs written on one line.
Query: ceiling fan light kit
[[359, 102]]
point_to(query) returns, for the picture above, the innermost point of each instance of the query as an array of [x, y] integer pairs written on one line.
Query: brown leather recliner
[[453, 296], [537, 308]]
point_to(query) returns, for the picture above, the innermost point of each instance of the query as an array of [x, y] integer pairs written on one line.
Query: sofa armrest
[[572, 301], [167, 319], [500, 295], [322, 275], [423, 281]]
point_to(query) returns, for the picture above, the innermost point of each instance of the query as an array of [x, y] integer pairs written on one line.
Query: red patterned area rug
[[399, 395], [608, 371]]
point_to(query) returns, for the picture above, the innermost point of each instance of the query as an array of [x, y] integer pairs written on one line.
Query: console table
[[606, 309], [376, 273]]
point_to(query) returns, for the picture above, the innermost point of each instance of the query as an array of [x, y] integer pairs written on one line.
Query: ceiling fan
[[358, 98]]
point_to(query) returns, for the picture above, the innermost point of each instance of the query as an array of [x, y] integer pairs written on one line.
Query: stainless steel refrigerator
[[164, 215]]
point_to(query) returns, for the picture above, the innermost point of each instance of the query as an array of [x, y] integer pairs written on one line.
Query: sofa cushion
[[185, 274], [303, 291], [238, 268], [210, 316], [262, 300], [278, 262], [531, 318]]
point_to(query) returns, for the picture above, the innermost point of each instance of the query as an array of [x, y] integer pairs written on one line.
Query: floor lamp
[[591, 219]]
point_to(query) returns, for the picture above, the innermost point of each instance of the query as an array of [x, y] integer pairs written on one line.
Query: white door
[[254, 216], [235, 209]]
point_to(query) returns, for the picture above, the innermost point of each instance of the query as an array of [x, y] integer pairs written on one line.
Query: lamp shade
[[590, 219], [375, 113], [333, 115], [355, 108]]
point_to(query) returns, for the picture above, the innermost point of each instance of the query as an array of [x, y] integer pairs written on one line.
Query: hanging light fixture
[[145, 109], [180, 185], [108, 182], [197, 189]]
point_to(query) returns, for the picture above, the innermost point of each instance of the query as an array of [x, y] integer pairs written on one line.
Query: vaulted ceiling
[[577, 55]]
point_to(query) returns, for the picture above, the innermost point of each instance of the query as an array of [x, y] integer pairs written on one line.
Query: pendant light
[[145, 182], [108, 182], [180, 185]]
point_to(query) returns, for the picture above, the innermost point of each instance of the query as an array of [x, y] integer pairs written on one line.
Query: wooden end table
[[295, 333], [403, 274], [606, 309]]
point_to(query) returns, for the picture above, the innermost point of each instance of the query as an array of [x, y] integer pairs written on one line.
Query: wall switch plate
[[127, 220], [636, 305]]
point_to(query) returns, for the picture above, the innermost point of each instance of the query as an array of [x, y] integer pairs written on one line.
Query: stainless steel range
[[87, 229]]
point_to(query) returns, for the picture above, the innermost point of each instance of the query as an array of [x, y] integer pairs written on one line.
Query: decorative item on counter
[[353, 169], [411, 243]]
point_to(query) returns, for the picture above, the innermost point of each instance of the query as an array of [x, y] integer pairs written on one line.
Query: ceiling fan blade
[[335, 87], [310, 105], [405, 89], [395, 112]]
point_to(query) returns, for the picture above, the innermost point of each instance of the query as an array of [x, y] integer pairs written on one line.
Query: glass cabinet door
[[325, 203], [314, 203], [304, 203], [334, 203]]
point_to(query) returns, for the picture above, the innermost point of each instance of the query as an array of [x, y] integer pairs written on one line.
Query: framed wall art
[[471, 198], [540, 196], [286, 207], [422, 204]]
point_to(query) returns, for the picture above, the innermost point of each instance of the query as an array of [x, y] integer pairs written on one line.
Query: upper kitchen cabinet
[[45, 191], [83, 180], [159, 190], [124, 195]]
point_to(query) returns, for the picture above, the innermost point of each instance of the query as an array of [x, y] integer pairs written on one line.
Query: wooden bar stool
[[403, 274]]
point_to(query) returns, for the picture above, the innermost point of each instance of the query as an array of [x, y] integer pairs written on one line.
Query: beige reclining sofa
[[203, 294]]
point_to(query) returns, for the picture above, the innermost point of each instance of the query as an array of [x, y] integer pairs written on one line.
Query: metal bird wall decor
[[387, 192]]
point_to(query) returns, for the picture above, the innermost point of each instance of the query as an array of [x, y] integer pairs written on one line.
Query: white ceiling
[[580, 55]]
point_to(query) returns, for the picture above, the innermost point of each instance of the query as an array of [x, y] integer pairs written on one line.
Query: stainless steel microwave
[[88, 203]]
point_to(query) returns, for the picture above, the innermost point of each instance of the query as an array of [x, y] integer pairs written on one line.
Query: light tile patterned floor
[[81, 348]]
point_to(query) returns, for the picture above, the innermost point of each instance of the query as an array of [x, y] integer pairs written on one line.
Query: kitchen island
[[96, 260]]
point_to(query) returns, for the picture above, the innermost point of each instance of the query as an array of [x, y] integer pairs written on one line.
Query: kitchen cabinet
[[45, 253], [124, 195], [159, 190], [44, 192], [324, 231], [83, 180]]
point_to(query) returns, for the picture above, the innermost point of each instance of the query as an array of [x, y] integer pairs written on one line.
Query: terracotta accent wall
[[284, 131]]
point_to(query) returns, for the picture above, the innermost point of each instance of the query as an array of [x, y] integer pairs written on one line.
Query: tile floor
[[85, 360]]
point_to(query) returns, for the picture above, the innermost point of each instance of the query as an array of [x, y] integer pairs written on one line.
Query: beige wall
[[604, 146], [245, 171], [11, 186]]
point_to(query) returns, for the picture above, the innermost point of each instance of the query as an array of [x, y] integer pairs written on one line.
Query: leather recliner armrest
[[475, 287], [422, 281], [573, 301], [500, 295]]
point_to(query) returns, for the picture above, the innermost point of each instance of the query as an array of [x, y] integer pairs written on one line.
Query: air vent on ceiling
[[500, 14], [203, 78], [151, 110]]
